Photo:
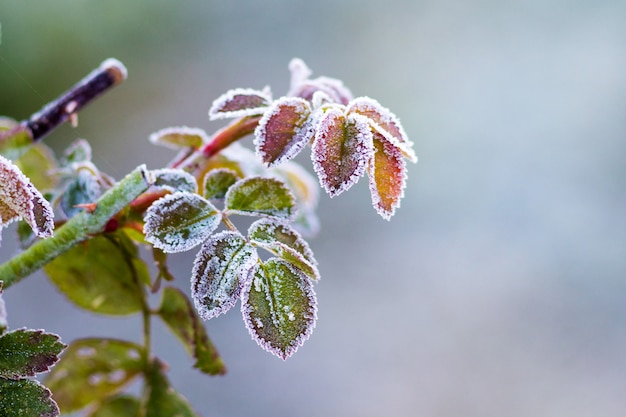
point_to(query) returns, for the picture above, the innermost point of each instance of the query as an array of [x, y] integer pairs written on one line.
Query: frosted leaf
[[385, 122], [84, 189], [303, 86], [219, 272], [217, 182], [319, 99], [258, 196], [284, 130], [279, 307], [179, 137], [284, 242], [20, 199], [78, 152], [387, 176], [240, 102], [26, 352], [341, 149], [180, 221], [174, 180]]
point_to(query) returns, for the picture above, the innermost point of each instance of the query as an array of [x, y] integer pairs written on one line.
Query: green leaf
[[180, 316], [217, 183], [279, 307], [24, 353], [219, 271], [286, 243], [92, 370], [179, 137], [26, 398], [78, 152], [38, 164], [174, 180], [180, 221], [84, 189], [341, 150], [16, 139], [118, 406], [163, 401], [284, 130], [100, 275], [259, 196]]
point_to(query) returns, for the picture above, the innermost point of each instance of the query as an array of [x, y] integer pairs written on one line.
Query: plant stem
[[77, 229]]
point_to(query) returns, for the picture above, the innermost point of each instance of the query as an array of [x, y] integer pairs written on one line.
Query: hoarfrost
[[303, 86], [173, 180], [259, 196], [179, 137], [19, 198], [217, 182], [341, 150], [387, 177], [180, 221], [284, 130], [240, 102], [219, 272]]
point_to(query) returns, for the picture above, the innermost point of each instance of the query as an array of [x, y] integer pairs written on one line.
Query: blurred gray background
[[499, 287]]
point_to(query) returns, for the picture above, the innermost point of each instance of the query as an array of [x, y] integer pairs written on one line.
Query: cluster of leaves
[[23, 354]]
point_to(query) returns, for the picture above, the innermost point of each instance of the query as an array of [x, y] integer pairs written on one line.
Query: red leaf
[[284, 130], [240, 102], [341, 149], [387, 176]]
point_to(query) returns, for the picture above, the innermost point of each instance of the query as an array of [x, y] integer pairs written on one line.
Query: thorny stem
[[77, 229]]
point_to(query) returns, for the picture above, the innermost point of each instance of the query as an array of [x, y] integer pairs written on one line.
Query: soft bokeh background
[[499, 287]]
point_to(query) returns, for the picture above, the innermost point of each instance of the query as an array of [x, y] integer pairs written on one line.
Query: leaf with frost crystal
[[78, 152], [384, 122], [286, 243], [118, 406], [163, 400], [19, 198], [284, 130], [103, 275], [26, 398], [24, 353], [180, 221], [240, 102], [303, 86], [174, 180], [219, 272], [217, 182], [279, 307], [180, 316], [259, 196], [84, 189], [179, 137], [387, 177], [341, 150], [93, 369]]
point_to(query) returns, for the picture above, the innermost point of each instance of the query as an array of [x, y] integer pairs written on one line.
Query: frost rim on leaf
[[216, 113], [156, 138], [391, 152]]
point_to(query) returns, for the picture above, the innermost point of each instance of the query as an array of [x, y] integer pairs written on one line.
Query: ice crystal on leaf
[[180, 221], [258, 196], [341, 150], [217, 182], [387, 176], [219, 272], [20, 199], [83, 189], [303, 86], [284, 130], [179, 137], [240, 102], [173, 180], [279, 307]]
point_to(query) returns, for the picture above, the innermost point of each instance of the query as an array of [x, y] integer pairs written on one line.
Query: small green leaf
[[180, 316], [118, 406], [240, 102], [84, 189], [78, 152], [284, 130], [174, 180], [179, 137], [100, 275], [259, 196], [217, 182], [38, 164], [24, 353], [219, 271], [286, 243], [92, 370], [16, 138], [26, 398], [163, 401], [279, 307], [341, 150], [180, 221]]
